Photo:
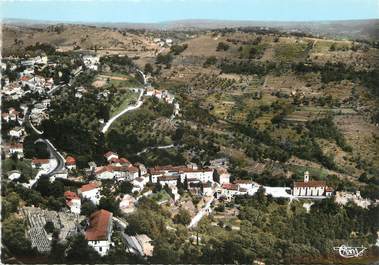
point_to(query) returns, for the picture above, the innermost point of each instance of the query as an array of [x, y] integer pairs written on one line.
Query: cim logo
[[350, 252]]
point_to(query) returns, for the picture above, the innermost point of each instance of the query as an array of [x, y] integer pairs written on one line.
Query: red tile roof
[[13, 146], [108, 154], [133, 169], [190, 170], [25, 78], [121, 160], [70, 160], [243, 181], [99, 227], [167, 178], [312, 183], [229, 186], [222, 170], [37, 161], [88, 187], [69, 195]]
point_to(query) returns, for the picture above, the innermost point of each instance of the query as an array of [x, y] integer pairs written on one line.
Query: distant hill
[[348, 29]]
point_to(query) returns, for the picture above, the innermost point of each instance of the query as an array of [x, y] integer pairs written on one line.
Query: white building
[[127, 204], [91, 62], [308, 188], [73, 201], [230, 190], [70, 163], [204, 175], [41, 163], [99, 232], [14, 175], [207, 189], [16, 132], [110, 155], [16, 149], [168, 180], [90, 191], [223, 176]]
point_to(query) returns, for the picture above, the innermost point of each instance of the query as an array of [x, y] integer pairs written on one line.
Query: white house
[[14, 175], [99, 232], [207, 189], [139, 183], [70, 163], [311, 188], [244, 183], [142, 169], [104, 172], [223, 176], [91, 62], [204, 175], [230, 190], [73, 201], [127, 204], [168, 180], [16, 149], [16, 132], [41, 163], [133, 173], [168, 170], [110, 155], [90, 191]]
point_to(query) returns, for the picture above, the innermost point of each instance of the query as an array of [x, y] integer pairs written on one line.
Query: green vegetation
[[24, 166], [252, 51], [291, 52], [210, 61], [126, 99], [178, 49], [118, 63], [221, 46], [325, 128]]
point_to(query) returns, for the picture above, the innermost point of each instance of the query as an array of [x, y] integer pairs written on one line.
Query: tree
[[13, 236], [78, 251], [183, 217], [148, 68], [49, 227], [87, 207], [125, 187], [109, 204], [222, 46], [10, 204]]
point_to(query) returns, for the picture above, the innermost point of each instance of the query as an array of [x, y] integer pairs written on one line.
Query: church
[[311, 188]]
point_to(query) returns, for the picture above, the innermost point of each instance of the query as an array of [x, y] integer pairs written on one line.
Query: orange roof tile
[[70, 160], [100, 222], [312, 183], [40, 161], [88, 187]]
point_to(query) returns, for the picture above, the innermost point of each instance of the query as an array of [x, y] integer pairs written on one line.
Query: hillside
[[251, 78]]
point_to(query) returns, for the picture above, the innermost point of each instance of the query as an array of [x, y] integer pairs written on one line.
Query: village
[[168, 185]]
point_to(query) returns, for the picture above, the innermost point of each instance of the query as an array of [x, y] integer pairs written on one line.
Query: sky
[[149, 11]]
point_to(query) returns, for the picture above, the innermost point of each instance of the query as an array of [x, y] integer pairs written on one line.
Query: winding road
[[205, 210], [156, 147], [129, 108]]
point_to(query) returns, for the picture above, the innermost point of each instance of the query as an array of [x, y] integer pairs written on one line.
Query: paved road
[[205, 210], [157, 147], [27, 119], [53, 153], [129, 108]]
